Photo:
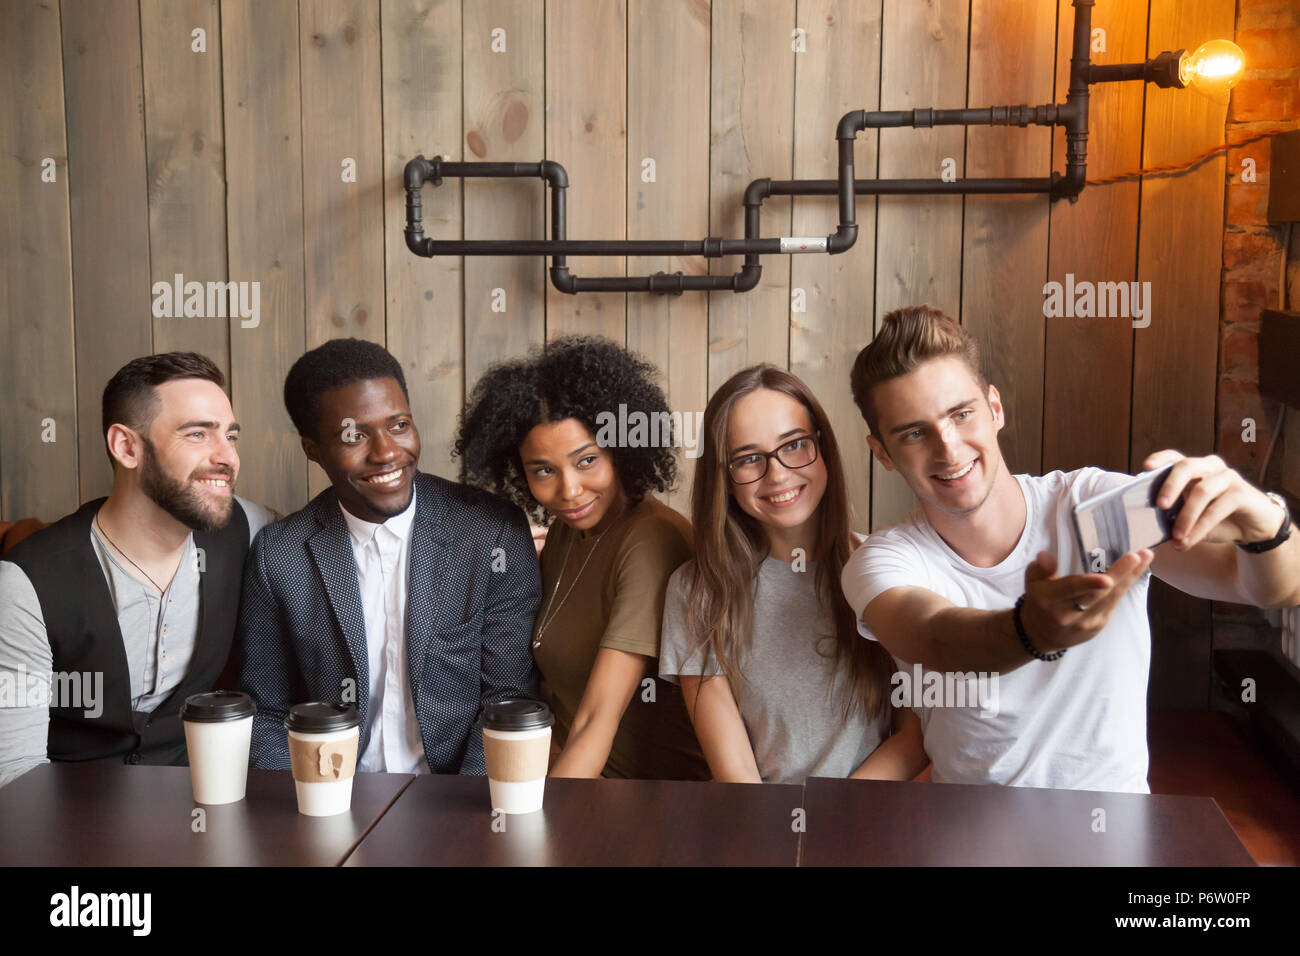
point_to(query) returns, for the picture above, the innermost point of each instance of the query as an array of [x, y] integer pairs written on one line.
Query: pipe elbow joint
[[564, 280], [1071, 184], [851, 123], [757, 191], [747, 278], [842, 239], [554, 174], [417, 243], [417, 172]]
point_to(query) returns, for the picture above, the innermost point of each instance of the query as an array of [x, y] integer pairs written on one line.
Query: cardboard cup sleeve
[[322, 762], [517, 761]]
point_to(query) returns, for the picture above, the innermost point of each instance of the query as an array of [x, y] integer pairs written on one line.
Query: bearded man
[[113, 615]]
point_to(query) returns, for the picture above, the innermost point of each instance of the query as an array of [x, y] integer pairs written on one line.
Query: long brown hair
[[730, 545]]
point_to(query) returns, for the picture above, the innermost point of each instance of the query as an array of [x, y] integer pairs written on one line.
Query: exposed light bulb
[[1215, 66]]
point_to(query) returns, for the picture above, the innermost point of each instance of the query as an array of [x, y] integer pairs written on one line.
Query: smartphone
[[1123, 519]]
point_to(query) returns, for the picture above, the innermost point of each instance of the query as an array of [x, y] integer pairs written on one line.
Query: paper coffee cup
[[323, 756], [517, 749], [218, 731]]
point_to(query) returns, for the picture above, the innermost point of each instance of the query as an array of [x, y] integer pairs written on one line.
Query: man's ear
[[882, 456], [309, 448], [125, 446], [995, 405]]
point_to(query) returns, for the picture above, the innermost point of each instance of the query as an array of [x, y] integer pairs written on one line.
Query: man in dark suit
[[411, 596]]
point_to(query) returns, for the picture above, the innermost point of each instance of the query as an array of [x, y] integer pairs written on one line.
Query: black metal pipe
[[1075, 112], [910, 187], [1073, 116]]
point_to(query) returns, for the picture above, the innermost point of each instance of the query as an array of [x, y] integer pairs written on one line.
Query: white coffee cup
[[323, 741], [517, 749], [218, 732]]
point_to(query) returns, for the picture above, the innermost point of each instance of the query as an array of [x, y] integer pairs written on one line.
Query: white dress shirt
[[383, 552]]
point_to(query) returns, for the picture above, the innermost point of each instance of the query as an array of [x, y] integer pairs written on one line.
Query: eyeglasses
[[797, 453]]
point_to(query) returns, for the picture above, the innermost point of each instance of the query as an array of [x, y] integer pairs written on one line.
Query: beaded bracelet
[[1024, 638]]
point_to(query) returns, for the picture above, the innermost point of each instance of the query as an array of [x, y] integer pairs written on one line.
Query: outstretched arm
[[1222, 510]]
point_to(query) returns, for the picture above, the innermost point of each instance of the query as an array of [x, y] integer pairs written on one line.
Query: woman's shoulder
[[652, 521]]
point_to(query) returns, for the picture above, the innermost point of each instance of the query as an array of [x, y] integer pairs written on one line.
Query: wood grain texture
[[668, 62], [1088, 369], [1180, 251], [504, 121], [107, 813], [837, 73], [586, 132], [109, 209], [265, 234], [446, 820], [918, 245], [1004, 250], [343, 222], [185, 147], [752, 129], [425, 315], [1175, 358], [934, 824], [38, 479]]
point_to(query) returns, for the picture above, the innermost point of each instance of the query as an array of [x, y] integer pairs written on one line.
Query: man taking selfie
[[985, 577]]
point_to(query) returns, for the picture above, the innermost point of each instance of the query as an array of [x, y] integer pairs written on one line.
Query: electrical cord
[[1198, 160]]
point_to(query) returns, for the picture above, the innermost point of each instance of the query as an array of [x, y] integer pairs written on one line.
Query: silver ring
[[1078, 606]]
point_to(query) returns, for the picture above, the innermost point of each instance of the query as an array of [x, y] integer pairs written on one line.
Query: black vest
[[81, 624]]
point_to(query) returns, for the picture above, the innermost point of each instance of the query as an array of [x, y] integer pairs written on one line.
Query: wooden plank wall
[[226, 164]]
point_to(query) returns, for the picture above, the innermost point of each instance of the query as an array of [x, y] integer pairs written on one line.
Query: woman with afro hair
[[551, 433]]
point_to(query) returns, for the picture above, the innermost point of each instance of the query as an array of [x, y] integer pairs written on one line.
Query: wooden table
[[881, 823], [108, 814], [447, 821]]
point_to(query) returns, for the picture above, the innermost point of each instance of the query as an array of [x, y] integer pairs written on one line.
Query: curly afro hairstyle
[[573, 377]]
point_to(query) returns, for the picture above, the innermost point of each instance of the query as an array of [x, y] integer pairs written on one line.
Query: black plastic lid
[[217, 707], [320, 717], [517, 715]]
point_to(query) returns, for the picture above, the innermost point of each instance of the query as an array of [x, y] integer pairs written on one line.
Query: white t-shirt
[[1077, 723]]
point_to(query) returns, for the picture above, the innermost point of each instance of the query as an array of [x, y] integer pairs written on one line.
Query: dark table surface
[[447, 821], [109, 814], [880, 823]]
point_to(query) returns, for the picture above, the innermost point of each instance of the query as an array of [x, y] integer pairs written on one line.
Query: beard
[[179, 499]]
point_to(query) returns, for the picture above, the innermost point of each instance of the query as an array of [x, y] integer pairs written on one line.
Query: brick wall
[[1268, 97]]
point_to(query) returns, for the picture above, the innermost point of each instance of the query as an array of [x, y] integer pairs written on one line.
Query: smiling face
[[784, 498], [187, 460], [571, 476], [371, 460], [940, 433]]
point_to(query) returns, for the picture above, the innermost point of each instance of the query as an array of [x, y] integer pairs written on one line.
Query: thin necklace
[[546, 621], [124, 554]]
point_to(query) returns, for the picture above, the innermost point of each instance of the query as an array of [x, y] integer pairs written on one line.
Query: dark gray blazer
[[474, 587]]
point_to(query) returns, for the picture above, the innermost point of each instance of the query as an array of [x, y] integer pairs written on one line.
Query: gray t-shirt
[[785, 684]]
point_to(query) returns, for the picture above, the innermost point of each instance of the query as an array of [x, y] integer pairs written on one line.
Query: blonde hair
[[907, 338]]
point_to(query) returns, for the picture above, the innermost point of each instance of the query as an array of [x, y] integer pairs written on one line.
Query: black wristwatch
[[1284, 532]]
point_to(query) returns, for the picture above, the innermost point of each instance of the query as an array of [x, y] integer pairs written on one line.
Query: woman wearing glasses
[[534, 432], [801, 694]]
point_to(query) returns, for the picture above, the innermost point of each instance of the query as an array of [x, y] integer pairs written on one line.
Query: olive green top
[[617, 601]]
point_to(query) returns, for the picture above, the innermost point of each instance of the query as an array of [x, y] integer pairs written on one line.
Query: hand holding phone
[[1124, 519]]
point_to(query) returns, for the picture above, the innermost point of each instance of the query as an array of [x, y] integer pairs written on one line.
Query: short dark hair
[[129, 397], [907, 338], [337, 363], [573, 377]]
